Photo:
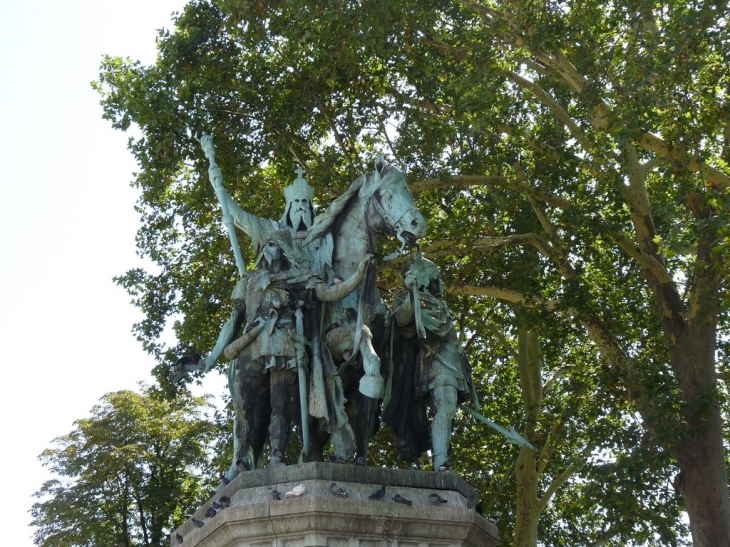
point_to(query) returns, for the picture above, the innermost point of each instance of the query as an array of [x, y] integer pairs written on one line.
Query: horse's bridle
[[389, 220]]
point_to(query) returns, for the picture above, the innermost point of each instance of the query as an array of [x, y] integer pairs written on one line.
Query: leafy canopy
[[128, 474]]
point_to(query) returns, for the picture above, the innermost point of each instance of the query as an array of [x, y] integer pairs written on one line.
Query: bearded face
[[300, 215]]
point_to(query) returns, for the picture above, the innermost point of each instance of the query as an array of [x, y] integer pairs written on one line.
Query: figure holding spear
[[297, 218]]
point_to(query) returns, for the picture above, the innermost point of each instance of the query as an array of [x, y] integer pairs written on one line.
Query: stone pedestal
[[319, 518]]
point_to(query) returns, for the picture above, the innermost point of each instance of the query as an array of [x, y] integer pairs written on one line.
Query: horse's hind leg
[[318, 440], [362, 412]]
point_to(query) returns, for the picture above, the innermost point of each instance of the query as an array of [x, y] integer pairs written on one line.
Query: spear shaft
[[216, 179]]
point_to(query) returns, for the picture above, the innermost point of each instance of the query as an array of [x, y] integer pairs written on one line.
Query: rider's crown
[[299, 188]]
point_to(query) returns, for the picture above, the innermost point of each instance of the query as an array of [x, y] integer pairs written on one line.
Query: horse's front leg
[[372, 384]]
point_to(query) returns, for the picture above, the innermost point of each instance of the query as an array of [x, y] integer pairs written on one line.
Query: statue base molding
[[318, 517]]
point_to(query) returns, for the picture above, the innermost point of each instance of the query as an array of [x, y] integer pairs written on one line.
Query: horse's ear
[[379, 166]]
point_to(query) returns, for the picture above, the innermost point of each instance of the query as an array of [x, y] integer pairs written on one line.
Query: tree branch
[[607, 535], [559, 481], [602, 114], [500, 336], [491, 242], [653, 143], [502, 294], [492, 181], [556, 109], [544, 221], [645, 260]]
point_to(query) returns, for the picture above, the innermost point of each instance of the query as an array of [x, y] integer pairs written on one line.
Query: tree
[[571, 156], [128, 474]]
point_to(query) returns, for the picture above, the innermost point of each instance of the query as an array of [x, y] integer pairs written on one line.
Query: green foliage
[[127, 475], [599, 131]]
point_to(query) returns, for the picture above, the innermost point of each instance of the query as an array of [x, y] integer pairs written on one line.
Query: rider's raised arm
[[256, 228]]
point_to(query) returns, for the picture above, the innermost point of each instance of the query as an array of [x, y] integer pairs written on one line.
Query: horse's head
[[388, 205]]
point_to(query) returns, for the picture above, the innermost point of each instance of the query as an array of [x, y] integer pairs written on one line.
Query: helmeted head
[[425, 273], [279, 247], [299, 212]]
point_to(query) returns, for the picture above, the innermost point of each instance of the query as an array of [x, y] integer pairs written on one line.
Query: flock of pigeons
[[212, 511], [299, 490], [340, 492]]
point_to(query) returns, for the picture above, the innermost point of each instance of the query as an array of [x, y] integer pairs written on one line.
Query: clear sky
[[67, 226]]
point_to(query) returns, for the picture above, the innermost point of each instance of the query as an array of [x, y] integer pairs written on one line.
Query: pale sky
[[67, 226]]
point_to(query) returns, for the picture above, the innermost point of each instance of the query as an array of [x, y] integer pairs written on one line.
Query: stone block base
[[319, 518]]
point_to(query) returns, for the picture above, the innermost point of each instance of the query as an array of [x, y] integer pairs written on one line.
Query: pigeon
[[338, 491], [242, 466], [446, 466], [277, 459], [296, 491], [198, 523], [494, 518], [435, 499], [360, 461], [210, 513], [217, 506], [379, 494], [225, 501], [472, 501], [179, 539], [274, 494], [225, 480], [400, 499]]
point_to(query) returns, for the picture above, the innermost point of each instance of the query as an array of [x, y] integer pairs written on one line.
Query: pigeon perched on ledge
[[378, 494], [210, 513], [446, 466], [338, 491], [296, 491], [198, 523], [400, 499], [435, 499]]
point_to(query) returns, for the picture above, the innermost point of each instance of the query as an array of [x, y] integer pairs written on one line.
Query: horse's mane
[[323, 222]]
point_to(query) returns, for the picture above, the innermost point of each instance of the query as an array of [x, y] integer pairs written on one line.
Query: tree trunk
[[527, 517], [528, 514], [703, 480]]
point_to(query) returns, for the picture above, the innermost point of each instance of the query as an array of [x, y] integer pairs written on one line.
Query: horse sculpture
[[346, 381]]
